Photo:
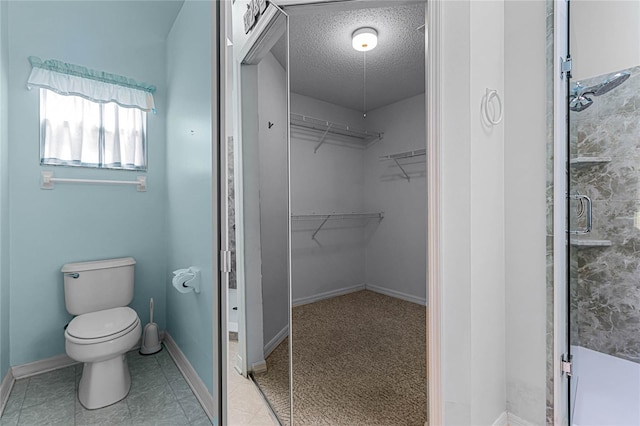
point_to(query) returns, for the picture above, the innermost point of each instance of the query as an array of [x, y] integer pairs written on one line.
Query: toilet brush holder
[[150, 336]]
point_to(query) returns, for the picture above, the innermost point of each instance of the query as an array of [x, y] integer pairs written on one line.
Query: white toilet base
[[104, 383]]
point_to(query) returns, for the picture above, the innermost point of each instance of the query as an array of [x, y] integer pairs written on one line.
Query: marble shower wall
[[605, 285], [550, 77]]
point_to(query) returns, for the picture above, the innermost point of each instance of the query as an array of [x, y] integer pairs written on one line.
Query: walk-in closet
[[354, 349]]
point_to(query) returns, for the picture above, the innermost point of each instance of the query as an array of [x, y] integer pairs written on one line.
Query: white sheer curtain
[[78, 132], [124, 136]]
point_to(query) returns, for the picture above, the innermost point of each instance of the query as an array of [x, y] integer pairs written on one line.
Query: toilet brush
[[150, 338]]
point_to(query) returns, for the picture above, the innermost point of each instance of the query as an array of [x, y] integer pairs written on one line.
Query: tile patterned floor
[[159, 395], [246, 405]]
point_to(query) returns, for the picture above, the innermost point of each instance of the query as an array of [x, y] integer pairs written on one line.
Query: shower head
[[611, 83], [579, 101]]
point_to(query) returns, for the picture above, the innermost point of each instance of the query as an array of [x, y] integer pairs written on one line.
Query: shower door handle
[[589, 211]]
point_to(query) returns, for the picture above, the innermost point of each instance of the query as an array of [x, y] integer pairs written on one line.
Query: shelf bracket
[[313, 237], [404, 172], [323, 138]]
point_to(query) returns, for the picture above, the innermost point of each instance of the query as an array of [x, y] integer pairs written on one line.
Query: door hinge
[[566, 66], [566, 364], [225, 261]]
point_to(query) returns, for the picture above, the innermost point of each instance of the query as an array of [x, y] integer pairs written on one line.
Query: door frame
[[435, 402], [433, 261], [262, 27]]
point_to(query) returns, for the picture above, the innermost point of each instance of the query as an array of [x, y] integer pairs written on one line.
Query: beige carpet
[[358, 359]]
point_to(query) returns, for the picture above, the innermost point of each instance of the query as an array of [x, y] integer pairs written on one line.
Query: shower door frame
[[561, 280]]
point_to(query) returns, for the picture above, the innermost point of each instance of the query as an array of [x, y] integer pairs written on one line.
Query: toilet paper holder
[[185, 280]]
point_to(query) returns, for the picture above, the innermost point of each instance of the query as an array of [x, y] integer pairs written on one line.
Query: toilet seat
[[101, 326]]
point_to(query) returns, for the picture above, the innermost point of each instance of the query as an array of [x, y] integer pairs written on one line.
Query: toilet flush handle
[[73, 275]]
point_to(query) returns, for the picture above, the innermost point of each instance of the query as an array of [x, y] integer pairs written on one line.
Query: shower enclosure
[[604, 217]]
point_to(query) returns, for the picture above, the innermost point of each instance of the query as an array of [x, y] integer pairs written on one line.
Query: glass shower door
[[604, 250], [604, 212]]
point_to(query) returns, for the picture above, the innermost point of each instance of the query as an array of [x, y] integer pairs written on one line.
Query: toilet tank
[[98, 285]]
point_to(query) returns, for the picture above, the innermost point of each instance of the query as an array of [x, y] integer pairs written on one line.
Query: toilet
[[104, 328]]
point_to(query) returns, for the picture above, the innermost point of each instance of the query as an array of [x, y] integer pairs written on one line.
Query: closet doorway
[[358, 224]]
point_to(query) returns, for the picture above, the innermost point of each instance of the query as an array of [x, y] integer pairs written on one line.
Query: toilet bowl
[[104, 328], [100, 340]]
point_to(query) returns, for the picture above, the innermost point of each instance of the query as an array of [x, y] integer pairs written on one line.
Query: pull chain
[[364, 102]]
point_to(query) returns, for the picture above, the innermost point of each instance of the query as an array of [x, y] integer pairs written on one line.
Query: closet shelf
[[589, 161], [406, 154], [590, 243], [362, 136], [335, 216], [402, 156]]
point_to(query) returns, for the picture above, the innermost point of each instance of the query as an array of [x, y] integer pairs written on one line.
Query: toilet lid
[[95, 325]]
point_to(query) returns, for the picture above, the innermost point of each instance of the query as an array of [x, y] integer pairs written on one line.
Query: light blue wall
[[189, 175], [4, 196], [81, 222]]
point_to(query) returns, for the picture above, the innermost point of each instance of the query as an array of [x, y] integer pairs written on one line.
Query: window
[[75, 131], [91, 118]]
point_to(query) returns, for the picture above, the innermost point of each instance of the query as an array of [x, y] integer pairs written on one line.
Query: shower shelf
[[589, 161], [335, 216], [362, 136], [590, 243], [402, 156]]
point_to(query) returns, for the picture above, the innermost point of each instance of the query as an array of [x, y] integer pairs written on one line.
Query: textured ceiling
[[325, 66]]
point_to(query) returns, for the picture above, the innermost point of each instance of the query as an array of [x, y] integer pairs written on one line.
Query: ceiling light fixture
[[364, 39]]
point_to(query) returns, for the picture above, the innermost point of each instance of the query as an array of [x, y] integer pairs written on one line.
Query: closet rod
[[331, 216], [315, 216], [48, 180], [329, 127]]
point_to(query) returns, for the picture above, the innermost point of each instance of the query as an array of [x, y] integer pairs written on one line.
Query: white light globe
[[364, 39]]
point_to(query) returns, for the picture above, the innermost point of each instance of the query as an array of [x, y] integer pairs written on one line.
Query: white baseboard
[[517, 421], [509, 419], [259, 367], [273, 343], [397, 294], [42, 366], [5, 389], [49, 364], [327, 295], [502, 420], [191, 376]]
